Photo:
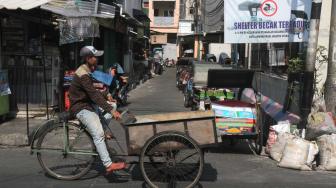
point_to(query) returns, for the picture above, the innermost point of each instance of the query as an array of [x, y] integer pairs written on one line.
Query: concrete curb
[[14, 139], [14, 132]]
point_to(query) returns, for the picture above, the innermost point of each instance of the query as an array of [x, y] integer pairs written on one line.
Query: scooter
[[159, 67], [120, 91], [119, 87]]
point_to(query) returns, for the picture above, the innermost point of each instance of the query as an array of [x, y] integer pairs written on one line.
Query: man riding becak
[[83, 95]]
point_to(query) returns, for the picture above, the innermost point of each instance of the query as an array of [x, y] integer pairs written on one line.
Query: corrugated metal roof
[[69, 8], [23, 4]]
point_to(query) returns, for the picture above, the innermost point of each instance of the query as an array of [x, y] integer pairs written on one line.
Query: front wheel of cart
[[258, 142], [171, 159]]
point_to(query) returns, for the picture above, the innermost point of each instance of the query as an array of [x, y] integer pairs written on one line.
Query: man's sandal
[[115, 167]]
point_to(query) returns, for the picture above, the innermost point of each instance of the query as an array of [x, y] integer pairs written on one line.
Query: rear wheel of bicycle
[[171, 159], [61, 163]]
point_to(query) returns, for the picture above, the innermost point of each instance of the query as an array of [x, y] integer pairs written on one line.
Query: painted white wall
[[323, 39], [217, 48], [169, 51], [185, 27], [188, 5]]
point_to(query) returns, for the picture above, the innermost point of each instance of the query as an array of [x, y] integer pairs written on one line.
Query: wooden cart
[[169, 146]]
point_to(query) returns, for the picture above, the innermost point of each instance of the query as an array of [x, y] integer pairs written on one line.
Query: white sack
[[299, 154], [327, 147], [279, 146]]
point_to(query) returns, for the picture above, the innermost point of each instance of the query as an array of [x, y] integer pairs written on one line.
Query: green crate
[[214, 93], [4, 105]]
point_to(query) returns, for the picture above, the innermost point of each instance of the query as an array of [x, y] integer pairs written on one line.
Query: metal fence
[[28, 81]]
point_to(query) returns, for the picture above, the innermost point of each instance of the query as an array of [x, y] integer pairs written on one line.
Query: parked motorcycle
[[159, 67], [119, 88], [169, 63]]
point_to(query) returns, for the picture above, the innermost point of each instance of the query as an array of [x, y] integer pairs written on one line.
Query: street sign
[[266, 21]]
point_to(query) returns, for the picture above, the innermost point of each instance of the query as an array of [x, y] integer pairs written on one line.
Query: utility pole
[[308, 85], [330, 87], [197, 37]]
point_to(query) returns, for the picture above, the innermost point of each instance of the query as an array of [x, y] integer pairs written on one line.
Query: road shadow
[[209, 174], [233, 146]]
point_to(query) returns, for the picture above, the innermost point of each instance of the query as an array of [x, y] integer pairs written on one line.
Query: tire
[[258, 142], [123, 96], [194, 107], [163, 164], [160, 70], [186, 100], [60, 164]]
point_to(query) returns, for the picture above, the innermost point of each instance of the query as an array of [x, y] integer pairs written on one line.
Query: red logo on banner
[[269, 8]]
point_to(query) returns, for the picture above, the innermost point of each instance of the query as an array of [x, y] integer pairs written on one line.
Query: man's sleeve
[[96, 96], [106, 93]]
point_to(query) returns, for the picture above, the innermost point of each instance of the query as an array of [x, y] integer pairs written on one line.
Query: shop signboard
[[266, 21]]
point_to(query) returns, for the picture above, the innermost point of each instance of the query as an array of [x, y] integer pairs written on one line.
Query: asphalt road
[[225, 166]]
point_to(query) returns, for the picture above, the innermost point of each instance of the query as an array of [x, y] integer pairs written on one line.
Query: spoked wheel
[[258, 142], [61, 161], [171, 159]]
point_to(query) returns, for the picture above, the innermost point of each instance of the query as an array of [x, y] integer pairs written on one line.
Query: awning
[[132, 20], [140, 15], [22, 4]]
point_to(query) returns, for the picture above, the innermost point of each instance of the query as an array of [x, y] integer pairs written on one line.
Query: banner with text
[[266, 21]]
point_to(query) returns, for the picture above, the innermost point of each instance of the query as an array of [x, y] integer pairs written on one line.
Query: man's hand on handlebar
[[116, 115], [110, 99]]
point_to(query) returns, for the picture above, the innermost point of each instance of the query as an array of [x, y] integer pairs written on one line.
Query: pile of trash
[[309, 149]]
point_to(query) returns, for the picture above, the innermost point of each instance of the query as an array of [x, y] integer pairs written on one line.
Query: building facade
[[164, 16], [186, 30]]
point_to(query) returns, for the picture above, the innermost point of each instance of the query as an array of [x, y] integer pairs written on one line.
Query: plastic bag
[[278, 147], [327, 146], [282, 127], [299, 154], [319, 124]]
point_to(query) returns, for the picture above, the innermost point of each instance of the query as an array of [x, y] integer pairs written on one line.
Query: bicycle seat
[[65, 116]]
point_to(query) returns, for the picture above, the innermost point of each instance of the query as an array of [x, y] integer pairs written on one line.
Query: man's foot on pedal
[[115, 167], [109, 136]]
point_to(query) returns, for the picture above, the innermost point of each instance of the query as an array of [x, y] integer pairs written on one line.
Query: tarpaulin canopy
[[72, 8], [22, 4], [79, 18]]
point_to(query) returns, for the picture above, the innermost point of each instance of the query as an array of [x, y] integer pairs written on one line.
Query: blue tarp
[[102, 77]]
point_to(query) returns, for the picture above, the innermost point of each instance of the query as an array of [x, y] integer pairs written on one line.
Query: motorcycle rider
[[82, 95]]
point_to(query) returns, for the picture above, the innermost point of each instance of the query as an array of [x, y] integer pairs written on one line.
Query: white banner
[[266, 21]]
